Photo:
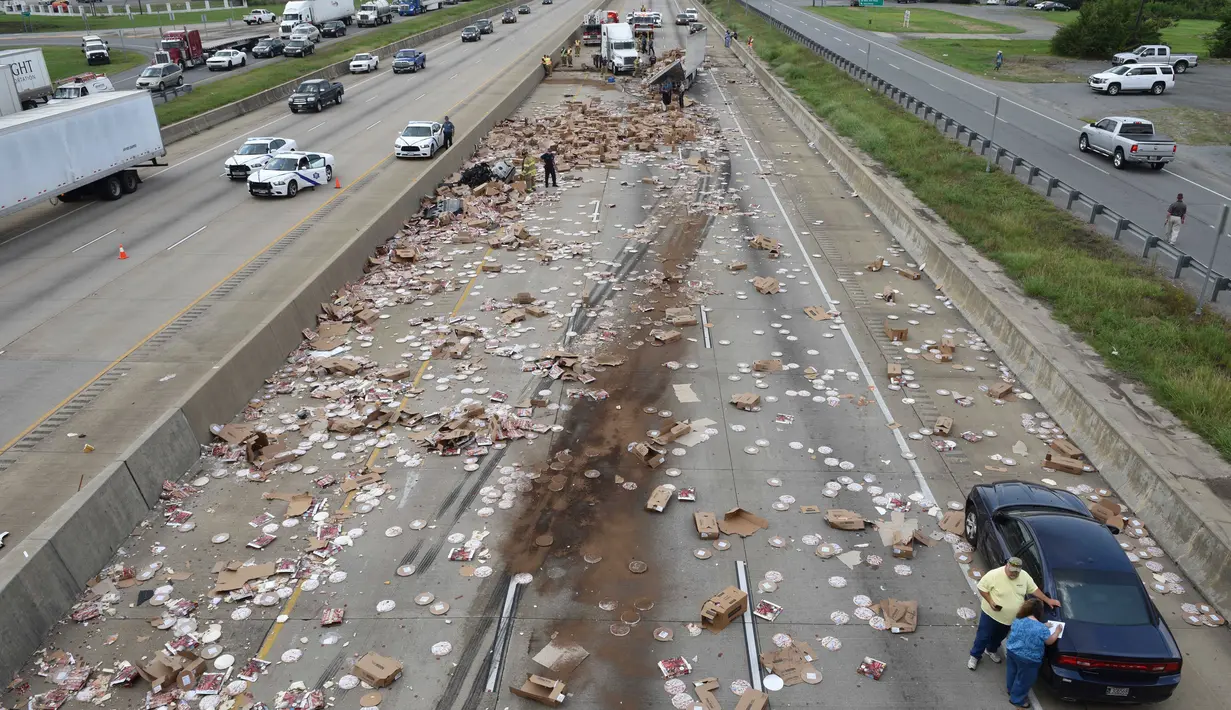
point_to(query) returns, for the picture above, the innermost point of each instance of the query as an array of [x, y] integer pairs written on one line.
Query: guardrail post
[[1095, 210], [1183, 261], [1121, 225], [1073, 196], [1034, 172], [1052, 183], [1222, 284], [1151, 242], [1014, 165]]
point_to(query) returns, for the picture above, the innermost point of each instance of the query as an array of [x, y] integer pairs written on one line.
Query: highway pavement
[[74, 308], [1041, 134]]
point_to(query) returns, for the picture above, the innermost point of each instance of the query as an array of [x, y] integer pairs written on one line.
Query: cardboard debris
[[845, 519], [1063, 463], [901, 617], [752, 699], [953, 521], [707, 525], [767, 244], [377, 671], [1108, 513], [893, 369], [943, 426], [738, 521], [746, 401], [165, 670], [766, 285], [667, 336], [894, 333], [704, 689], [767, 365], [235, 575], [720, 610], [877, 265], [561, 657], [545, 691], [297, 503], [1064, 447], [908, 274], [650, 454], [1000, 390], [685, 394], [737, 266], [817, 313], [793, 664], [659, 498]]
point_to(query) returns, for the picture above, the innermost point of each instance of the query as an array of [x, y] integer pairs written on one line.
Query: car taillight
[[1173, 148], [1133, 149], [1082, 663]]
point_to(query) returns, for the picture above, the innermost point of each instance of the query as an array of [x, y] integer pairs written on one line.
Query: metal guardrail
[[1075, 201], [168, 94]]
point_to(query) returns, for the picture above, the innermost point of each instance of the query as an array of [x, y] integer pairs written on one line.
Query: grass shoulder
[[235, 88], [1025, 60], [1140, 323], [922, 20], [63, 62], [103, 21], [1191, 126]]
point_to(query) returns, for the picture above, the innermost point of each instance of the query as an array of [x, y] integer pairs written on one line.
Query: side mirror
[[1093, 125]]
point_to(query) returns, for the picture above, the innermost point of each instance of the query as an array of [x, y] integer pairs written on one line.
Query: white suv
[[1154, 79]]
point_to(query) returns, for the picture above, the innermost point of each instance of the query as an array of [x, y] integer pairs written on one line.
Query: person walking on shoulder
[[549, 168], [999, 59], [1176, 212], [1002, 590], [447, 129], [1028, 638]]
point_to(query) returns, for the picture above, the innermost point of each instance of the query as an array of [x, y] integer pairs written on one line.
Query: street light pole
[[995, 117], [1222, 227]]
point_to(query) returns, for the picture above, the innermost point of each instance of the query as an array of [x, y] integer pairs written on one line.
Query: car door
[[316, 168], [276, 145], [1008, 534], [1102, 134], [1167, 74], [438, 134], [1146, 76]]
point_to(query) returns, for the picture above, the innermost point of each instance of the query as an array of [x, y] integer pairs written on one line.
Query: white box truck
[[31, 80], [87, 147], [315, 12], [373, 13], [619, 48]]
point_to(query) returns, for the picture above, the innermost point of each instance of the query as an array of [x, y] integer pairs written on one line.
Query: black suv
[[470, 33], [485, 26], [270, 47], [333, 28]]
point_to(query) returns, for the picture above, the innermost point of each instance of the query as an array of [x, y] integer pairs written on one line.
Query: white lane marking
[[315, 127], [373, 98], [216, 147], [374, 125], [44, 224], [705, 327], [502, 632], [895, 66], [750, 638], [594, 215], [190, 236], [1074, 157], [83, 246], [1197, 184], [846, 334], [453, 77], [420, 96]]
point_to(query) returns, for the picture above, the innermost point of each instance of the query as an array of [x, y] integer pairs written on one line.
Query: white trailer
[[315, 12], [31, 80], [87, 147], [683, 72]]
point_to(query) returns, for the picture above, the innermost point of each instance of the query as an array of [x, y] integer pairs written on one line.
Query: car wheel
[[110, 188], [1158, 89], [339, 99], [243, 62], [292, 189], [1083, 144], [319, 107], [1113, 89], [328, 174], [294, 110], [972, 526], [129, 182], [1181, 67], [1117, 160], [161, 87], [179, 81]]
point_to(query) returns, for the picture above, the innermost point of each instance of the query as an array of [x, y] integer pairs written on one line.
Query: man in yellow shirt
[[1002, 590]]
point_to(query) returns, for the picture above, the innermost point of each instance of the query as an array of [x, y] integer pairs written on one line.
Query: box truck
[[88, 147], [315, 12], [31, 83]]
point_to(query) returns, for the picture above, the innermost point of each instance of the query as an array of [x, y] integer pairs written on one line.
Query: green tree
[[1219, 41], [1104, 27]]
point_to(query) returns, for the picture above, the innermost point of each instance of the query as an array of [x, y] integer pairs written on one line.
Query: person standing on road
[[549, 168], [666, 89], [447, 128], [1003, 590], [999, 59], [681, 97], [1028, 638], [726, 39], [750, 43], [1176, 212]]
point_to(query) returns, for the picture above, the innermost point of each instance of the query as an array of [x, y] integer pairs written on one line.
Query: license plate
[[266, 192], [1117, 692]]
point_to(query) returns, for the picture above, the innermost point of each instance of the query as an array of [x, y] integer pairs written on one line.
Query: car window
[[1100, 597], [276, 144], [1031, 563], [1166, 71], [1014, 534], [1104, 124], [303, 163], [1149, 71], [317, 161]]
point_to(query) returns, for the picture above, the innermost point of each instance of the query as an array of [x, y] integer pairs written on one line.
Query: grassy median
[[63, 62], [102, 21], [1025, 60], [224, 91], [1141, 324], [889, 19]]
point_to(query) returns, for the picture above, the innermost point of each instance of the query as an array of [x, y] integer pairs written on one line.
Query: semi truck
[[619, 50], [88, 147], [185, 48], [373, 13], [410, 8], [31, 82], [316, 12]]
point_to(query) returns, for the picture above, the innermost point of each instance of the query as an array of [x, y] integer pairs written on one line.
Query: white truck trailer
[[87, 147], [314, 12], [683, 72], [31, 84]]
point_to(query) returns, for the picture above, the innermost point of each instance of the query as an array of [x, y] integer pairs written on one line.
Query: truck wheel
[[1113, 89], [319, 107], [339, 99], [292, 189], [1117, 160], [109, 188], [129, 180], [1181, 67], [1083, 144], [1158, 89], [1157, 166]]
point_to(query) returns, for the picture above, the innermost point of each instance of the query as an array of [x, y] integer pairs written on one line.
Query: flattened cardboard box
[[650, 455], [1064, 463], [766, 285], [720, 610], [746, 401], [845, 519], [546, 691], [707, 525], [738, 521], [705, 693], [378, 671], [752, 699], [659, 499], [767, 365], [901, 617], [1064, 447]]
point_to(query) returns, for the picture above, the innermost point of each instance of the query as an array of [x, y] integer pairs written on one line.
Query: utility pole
[[995, 117], [1222, 227]]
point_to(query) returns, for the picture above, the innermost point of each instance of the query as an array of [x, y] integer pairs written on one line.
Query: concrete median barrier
[[42, 575], [1156, 466]]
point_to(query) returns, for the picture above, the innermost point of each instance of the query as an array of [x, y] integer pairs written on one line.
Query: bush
[[1188, 9], [1104, 27], [1219, 41]]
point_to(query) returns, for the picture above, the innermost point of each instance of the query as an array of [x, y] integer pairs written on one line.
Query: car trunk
[[1113, 654]]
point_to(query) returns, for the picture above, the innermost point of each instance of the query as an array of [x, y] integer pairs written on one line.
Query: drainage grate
[[63, 414]]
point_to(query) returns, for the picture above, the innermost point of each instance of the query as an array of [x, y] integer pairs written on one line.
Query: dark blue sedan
[[1116, 646]]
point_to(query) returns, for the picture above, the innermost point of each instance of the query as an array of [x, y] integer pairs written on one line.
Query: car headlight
[[278, 182]]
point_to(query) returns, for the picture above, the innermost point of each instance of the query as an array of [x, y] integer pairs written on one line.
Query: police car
[[287, 173], [420, 139], [254, 153]]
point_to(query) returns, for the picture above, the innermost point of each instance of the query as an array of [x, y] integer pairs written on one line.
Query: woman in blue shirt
[[1027, 638]]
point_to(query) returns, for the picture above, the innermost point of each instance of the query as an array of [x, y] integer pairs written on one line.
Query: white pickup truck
[[1127, 140], [260, 17], [1156, 54]]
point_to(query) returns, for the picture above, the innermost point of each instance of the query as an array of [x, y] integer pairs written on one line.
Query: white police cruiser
[[254, 153], [287, 173]]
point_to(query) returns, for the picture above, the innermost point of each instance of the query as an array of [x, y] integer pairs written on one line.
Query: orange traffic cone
[[337, 183], [123, 254]]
